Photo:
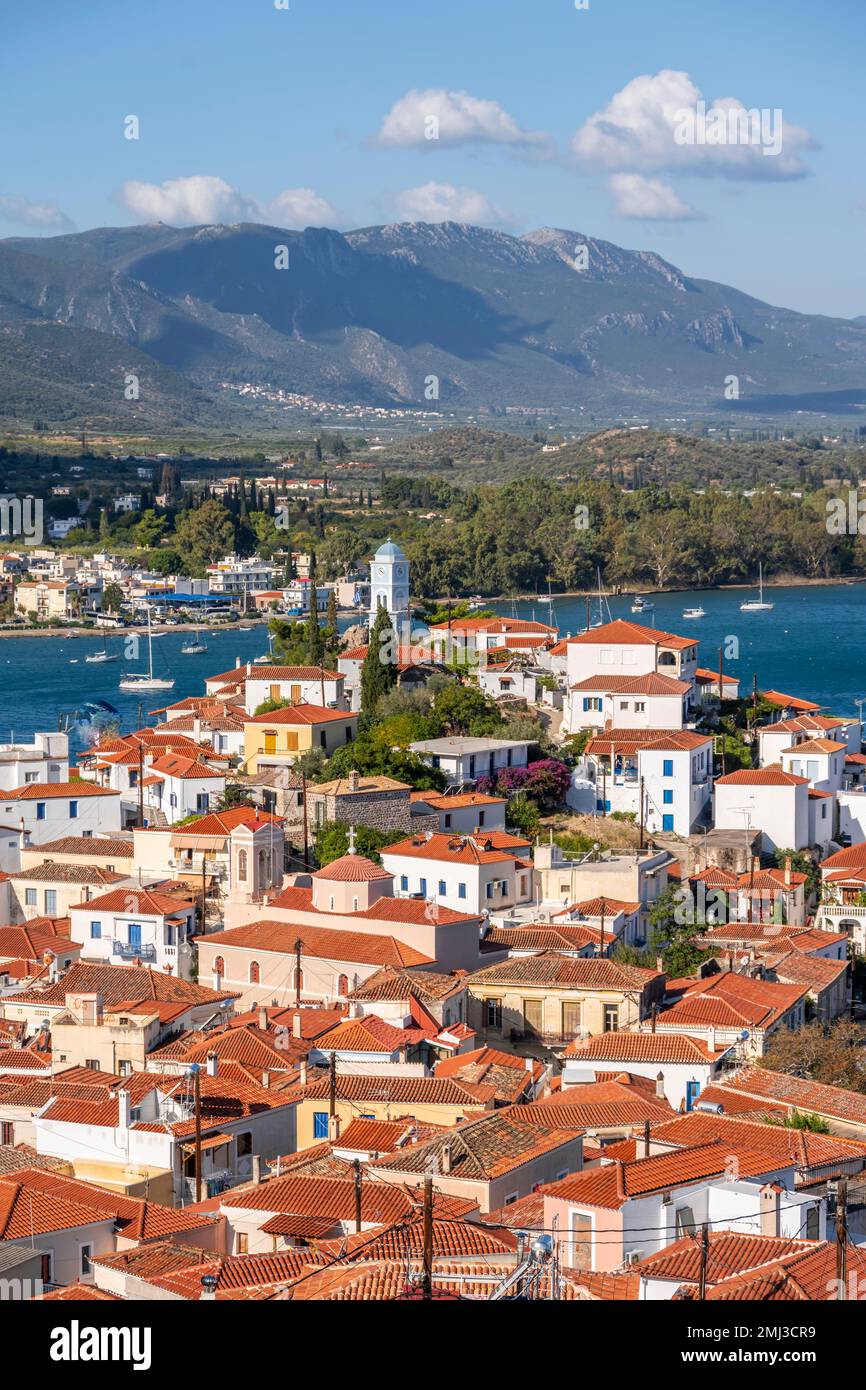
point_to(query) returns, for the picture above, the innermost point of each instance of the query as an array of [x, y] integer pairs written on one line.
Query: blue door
[[667, 822], [693, 1090], [134, 935]]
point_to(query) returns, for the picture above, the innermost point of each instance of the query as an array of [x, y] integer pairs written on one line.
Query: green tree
[[332, 841], [112, 598], [150, 529], [205, 533], [379, 668]]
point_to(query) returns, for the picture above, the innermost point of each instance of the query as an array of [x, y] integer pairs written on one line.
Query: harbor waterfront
[[808, 644]]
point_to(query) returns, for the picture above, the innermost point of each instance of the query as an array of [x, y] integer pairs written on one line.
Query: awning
[[212, 1141], [180, 840]]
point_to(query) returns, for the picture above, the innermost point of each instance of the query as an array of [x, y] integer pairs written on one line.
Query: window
[[488, 890], [685, 1221], [243, 1243], [481, 815], [533, 1010], [320, 1124], [422, 886], [40, 810], [47, 1271], [30, 897], [493, 1013], [639, 706], [84, 1259], [245, 1144], [219, 966], [448, 821], [242, 864], [813, 1224], [50, 902], [255, 973], [668, 767], [95, 931], [73, 810], [570, 1018], [443, 887], [668, 796], [611, 1018], [404, 883], [461, 890]]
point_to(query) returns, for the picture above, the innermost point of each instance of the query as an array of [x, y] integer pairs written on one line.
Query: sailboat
[[100, 658], [146, 680], [194, 645], [757, 605], [604, 615]]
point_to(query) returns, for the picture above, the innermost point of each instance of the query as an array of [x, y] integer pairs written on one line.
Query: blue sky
[[548, 115]]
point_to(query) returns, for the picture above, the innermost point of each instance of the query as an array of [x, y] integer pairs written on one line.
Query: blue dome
[[389, 551]]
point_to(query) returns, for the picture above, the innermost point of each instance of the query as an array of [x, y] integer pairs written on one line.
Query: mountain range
[[553, 319]]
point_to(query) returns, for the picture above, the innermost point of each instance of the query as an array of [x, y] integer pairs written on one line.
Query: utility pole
[[203, 891], [721, 674], [641, 814], [299, 946], [356, 1165], [705, 1259], [427, 1278], [601, 942], [306, 830], [140, 783], [197, 1096], [332, 1086], [842, 1239]]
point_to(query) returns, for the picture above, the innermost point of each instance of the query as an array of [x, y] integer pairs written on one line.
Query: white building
[[685, 1064], [766, 799], [820, 760], [609, 701], [485, 872], [181, 787], [46, 759], [251, 685], [673, 767], [233, 577], [466, 759], [389, 584], [137, 924], [776, 739], [54, 810], [624, 650]]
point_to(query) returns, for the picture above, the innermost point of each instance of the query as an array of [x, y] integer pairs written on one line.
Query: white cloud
[[662, 122], [444, 202], [635, 196], [44, 217], [188, 201], [300, 207], [202, 198], [436, 118]]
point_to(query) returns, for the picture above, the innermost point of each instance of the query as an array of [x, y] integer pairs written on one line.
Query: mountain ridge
[[375, 314]]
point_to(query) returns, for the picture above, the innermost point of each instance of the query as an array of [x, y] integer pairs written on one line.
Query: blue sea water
[[812, 644]]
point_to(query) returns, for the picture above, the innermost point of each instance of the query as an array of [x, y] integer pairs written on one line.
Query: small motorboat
[[642, 605], [694, 612]]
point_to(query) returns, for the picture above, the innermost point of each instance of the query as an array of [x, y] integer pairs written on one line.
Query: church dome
[[352, 868]]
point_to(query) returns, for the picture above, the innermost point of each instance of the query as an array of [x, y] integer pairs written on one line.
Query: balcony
[[127, 950]]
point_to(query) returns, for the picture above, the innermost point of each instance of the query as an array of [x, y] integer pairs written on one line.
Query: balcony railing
[[128, 950]]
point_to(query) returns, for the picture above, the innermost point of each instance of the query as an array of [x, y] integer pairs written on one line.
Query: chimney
[[263, 1018], [266, 1080], [237, 662], [646, 1138], [660, 965], [196, 729], [711, 1039], [354, 781], [212, 1064], [249, 668], [787, 873], [530, 1065], [445, 1160], [257, 1169], [333, 1128], [756, 864], [660, 1085], [123, 1110], [296, 1025], [302, 1070], [770, 1210]]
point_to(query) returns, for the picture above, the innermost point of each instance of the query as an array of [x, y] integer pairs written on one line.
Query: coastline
[[780, 582]]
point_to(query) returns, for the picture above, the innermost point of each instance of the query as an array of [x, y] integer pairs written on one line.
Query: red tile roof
[[328, 943], [303, 714], [614, 1184], [352, 868], [624, 1047], [622, 632], [770, 776]]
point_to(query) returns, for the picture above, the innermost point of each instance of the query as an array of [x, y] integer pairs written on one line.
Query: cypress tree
[[379, 671]]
